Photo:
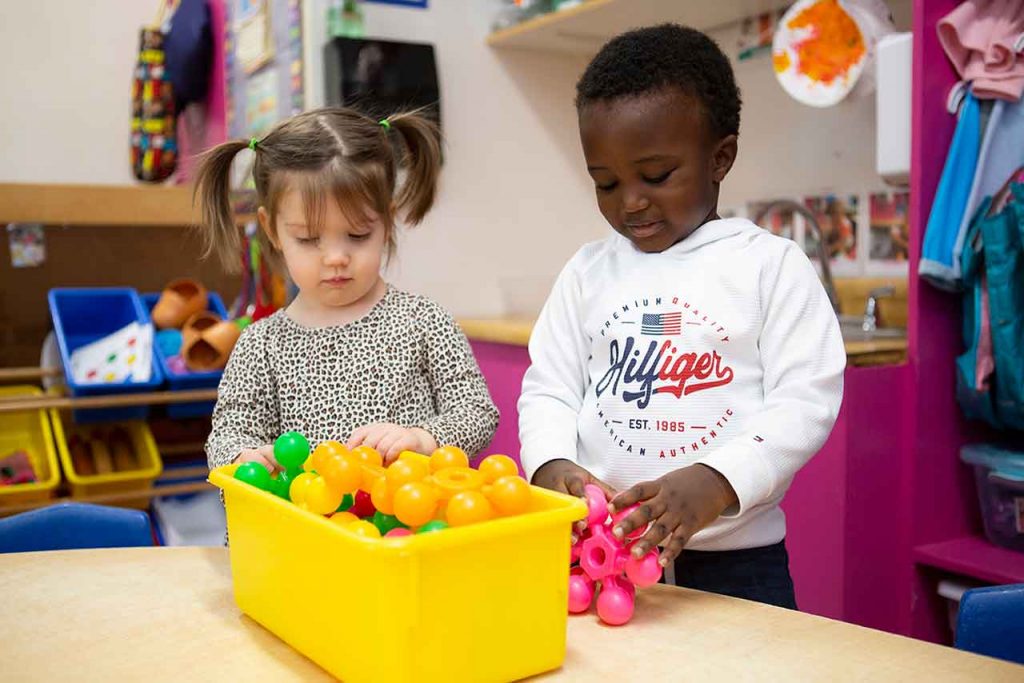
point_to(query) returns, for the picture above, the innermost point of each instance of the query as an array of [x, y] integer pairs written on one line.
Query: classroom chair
[[991, 622], [74, 525]]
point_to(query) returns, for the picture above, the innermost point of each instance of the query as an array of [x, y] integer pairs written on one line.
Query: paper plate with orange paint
[[818, 52]]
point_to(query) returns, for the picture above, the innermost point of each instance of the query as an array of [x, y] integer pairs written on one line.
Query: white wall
[[66, 80], [515, 200]]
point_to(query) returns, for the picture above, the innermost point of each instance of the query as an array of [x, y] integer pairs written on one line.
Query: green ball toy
[[291, 450], [281, 485], [347, 501], [254, 474], [386, 523], [429, 527]]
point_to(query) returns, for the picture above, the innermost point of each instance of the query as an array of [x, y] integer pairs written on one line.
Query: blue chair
[[991, 622], [74, 525]]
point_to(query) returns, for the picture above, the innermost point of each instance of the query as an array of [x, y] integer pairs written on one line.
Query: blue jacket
[[993, 260]]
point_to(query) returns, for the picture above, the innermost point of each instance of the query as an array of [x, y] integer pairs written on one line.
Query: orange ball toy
[[494, 467], [469, 507], [415, 503], [509, 495], [448, 456]]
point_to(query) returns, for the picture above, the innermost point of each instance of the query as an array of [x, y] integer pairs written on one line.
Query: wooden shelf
[[107, 205], [24, 403], [501, 331], [584, 28], [974, 557]]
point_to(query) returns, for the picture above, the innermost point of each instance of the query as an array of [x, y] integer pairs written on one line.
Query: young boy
[[690, 363]]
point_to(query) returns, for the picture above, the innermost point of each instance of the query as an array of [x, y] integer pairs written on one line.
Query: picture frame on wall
[[872, 239], [254, 42], [890, 227], [837, 216], [417, 4], [781, 222]]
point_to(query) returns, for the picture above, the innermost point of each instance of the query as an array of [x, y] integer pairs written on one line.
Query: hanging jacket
[[951, 198], [990, 374]]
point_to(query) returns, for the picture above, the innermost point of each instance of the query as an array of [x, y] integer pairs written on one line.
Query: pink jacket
[[984, 39]]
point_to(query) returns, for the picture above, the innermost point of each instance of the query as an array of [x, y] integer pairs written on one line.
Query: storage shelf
[[974, 557], [22, 404], [584, 28], [11, 375], [108, 205]]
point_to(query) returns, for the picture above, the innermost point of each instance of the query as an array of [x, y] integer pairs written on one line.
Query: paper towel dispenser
[[893, 100]]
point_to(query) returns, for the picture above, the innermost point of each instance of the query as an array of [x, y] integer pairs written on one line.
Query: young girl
[[691, 363], [351, 358]]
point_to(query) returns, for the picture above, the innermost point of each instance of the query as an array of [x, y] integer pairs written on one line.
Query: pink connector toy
[[606, 563]]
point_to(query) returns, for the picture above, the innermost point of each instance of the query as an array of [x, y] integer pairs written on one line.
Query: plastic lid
[[1001, 460]]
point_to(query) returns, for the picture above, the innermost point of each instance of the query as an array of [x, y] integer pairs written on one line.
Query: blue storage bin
[[192, 380], [84, 315]]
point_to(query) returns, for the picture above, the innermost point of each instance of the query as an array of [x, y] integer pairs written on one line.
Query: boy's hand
[[566, 476], [390, 440], [264, 455], [677, 506]]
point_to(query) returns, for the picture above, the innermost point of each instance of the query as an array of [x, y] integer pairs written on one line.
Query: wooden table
[[167, 614]]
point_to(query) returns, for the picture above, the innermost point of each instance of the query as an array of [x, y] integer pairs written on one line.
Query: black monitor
[[380, 77]]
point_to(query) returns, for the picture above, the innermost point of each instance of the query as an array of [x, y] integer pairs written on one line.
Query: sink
[[854, 332]]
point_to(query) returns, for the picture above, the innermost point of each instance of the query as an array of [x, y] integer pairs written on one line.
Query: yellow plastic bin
[[487, 602], [140, 480], [30, 432]]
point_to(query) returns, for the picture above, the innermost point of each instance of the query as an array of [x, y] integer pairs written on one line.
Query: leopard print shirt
[[406, 362]]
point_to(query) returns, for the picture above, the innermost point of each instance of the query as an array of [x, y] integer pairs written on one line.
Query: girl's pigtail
[[213, 187], [421, 161]]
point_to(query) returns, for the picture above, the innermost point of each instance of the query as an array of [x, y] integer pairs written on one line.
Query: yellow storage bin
[[86, 485], [487, 602], [28, 431]]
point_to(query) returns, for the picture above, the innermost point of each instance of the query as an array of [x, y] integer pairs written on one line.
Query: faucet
[[871, 309], [826, 267]]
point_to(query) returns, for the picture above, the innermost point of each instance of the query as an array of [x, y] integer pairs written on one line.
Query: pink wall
[[503, 366], [878, 413], [815, 508], [936, 488], [842, 541]]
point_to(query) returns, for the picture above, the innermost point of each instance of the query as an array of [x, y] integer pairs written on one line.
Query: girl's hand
[[264, 455], [677, 506], [390, 440]]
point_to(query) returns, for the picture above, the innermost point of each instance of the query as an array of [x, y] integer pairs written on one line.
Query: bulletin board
[[263, 55]]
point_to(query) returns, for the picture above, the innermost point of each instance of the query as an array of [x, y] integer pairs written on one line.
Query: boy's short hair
[[650, 59]]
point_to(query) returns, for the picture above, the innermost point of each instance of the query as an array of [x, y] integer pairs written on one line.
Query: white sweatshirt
[[721, 350]]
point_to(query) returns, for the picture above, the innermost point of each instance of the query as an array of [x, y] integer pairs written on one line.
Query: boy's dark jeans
[[759, 574]]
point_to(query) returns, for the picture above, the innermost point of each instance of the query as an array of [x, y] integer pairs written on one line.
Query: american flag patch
[[661, 323]]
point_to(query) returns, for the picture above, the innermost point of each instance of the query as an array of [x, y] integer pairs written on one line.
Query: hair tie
[[385, 124], [252, 143]]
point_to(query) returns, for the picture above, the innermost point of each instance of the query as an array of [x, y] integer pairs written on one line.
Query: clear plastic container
[[999, 475]]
